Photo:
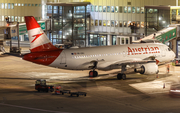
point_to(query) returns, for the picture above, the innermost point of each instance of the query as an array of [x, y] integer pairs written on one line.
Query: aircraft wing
[[103, 64], [125, 62]]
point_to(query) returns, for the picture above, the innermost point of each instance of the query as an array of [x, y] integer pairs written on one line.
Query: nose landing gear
[[93, 73]]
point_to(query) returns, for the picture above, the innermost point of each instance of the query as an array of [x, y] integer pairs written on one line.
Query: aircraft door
[[163, 52], [63, 58]]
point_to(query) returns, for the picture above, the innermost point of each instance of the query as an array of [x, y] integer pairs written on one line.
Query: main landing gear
[[121, 76], [93, 73]]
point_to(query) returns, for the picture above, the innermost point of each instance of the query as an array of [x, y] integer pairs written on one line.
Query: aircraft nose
[[173, 55]]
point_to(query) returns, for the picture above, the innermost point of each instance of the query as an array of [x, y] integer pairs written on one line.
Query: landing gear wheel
[[121, 76], [124, 76], [93, 73]]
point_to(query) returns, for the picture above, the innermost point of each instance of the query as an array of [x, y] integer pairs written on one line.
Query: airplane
[[144, 57]]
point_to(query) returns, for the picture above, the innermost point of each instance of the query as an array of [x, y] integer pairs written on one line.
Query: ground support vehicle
[[40, 85], [65, 91], [78, 93]]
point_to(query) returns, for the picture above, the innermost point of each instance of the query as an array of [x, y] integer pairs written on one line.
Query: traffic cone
[[163, 85]]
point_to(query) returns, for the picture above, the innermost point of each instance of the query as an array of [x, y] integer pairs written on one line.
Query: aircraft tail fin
[[38, 40]]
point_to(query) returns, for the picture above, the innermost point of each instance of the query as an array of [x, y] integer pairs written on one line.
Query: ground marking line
[[32, 108]]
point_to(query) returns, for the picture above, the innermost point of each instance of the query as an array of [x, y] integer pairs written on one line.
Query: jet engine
[[147, 69]]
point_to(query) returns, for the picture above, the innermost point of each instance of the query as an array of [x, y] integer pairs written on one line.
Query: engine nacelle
[[147, 69]]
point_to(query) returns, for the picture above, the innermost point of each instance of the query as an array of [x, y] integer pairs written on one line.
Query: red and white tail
[[38, 40]]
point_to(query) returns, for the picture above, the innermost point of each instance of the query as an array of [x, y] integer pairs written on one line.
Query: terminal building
[[96, 22]]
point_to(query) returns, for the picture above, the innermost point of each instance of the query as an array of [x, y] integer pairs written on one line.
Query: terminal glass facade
[[156, 18], [69, 24]]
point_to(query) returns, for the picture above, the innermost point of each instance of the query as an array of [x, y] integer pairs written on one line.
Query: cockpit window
[[169, 49]]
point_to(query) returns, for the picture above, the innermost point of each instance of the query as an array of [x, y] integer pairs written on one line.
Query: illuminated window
[[155, 10], [125, 9], [5, 5], [100, 22], [96, 8], [120, 24], [12, 18], [96, 22], [108, 8], [112, 23], [112, 9], [133, 9], [22, 4], [2, 18], [116, 23], [15, 4], [19, 19], [92, 22], [138, 9], [138, 24], [100, 8], [104, 8], [2, 5], [104, 22], [129, 9], [129, 23], [142, 24], [142, 9], [92, 8], [108, 23], [15, 18], [19, 4], [9, 6], [22, 19], [125, 24], [116, 9], [12, 6]]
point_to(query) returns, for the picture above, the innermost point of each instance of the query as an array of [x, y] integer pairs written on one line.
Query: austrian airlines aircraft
[[142, 57]]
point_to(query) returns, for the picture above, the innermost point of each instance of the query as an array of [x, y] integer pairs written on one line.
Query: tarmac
[[105, 94]]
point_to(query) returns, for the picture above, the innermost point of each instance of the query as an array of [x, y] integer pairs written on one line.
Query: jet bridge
[[166, 36]]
